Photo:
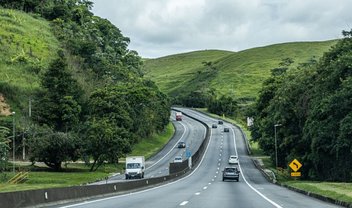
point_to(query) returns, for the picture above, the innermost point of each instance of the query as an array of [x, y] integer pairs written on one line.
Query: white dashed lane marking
[[184, 203]]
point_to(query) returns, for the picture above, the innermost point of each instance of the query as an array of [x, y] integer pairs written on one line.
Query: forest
[[310, 107]]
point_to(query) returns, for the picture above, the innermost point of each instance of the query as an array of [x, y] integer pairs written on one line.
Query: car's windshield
[[231, 170], [133, 165]]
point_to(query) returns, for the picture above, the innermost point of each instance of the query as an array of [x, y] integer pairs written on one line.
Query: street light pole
[[276, 125], [13, 141]]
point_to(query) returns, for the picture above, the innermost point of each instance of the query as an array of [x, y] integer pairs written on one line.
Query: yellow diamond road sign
[[295, 165]]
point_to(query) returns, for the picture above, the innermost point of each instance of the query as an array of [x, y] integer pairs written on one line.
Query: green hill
[[239, 73], [171, 73], [26, 47]]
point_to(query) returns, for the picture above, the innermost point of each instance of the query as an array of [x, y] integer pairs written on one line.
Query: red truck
[[178, 116]]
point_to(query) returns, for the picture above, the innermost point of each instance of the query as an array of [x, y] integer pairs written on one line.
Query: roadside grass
[[149, 147], [74, 174], [338, 191]]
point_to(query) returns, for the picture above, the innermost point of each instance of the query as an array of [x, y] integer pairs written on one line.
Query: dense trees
[[54, 148], [58, 105], [313, 104], [93, 103], [4, 147], [225, 105]]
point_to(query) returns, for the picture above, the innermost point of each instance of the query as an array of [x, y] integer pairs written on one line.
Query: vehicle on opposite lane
[[181, 145], [178, 159]]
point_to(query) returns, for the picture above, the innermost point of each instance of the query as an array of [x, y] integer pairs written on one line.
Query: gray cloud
[[162, 27]]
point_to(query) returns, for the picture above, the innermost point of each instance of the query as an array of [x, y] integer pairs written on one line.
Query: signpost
[[189, 156], [295, 165]]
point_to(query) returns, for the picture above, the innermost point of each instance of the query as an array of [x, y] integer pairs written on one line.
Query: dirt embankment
[[4, 107]]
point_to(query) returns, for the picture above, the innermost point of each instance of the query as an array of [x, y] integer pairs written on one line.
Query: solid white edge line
[[244, 178], [139, 192]]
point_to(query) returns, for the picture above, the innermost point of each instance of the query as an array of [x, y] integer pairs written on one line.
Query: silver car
[[233, 160]]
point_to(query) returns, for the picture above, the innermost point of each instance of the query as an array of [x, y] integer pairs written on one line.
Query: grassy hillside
[[26, 47], [172, 73], [238, 73]]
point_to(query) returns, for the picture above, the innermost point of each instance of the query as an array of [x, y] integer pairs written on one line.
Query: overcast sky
[[163, 27]]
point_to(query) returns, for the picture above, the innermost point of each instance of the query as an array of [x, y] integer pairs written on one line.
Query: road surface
[[204, 187]]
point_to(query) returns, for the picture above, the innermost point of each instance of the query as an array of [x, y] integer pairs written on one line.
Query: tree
[[265, 113], [104, 141], [313, 104], [54, 148], [330, 108], [4, 147], [58, 105], [224, 105]]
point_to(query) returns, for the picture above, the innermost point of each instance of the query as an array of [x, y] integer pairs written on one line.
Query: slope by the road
[[27, 45]]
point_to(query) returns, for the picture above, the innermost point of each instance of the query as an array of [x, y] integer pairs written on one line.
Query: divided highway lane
[[205, 188], [158, 165], [251, 178], [193, 134]]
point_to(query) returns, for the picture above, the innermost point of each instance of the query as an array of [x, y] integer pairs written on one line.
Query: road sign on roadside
[[295, 165], [296, 174], [188, 153]]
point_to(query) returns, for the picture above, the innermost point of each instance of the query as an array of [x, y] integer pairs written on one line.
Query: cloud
[[162, 27]]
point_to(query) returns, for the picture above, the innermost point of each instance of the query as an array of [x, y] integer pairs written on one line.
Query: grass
[[335, 190], [27, 45], [149, 147], [74, 174], [78, 173], [172, 72], [240, 74], [338, 191]]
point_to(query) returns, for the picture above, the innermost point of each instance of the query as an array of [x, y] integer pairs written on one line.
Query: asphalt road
[[188, 130], [205, 188]]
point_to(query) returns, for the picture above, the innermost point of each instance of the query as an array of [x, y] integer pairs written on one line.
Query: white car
[[178, 159], [233, 159]]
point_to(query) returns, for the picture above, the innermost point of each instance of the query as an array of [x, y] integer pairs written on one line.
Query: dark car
[[214, 126], [231, 173], [181, 145], [220, 122], [226, 129]]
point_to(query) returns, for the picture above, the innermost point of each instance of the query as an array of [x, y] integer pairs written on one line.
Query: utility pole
[[13, 141], [276, 125]]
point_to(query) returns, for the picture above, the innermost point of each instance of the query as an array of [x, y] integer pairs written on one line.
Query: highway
[[189, 131], [204, 186]]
